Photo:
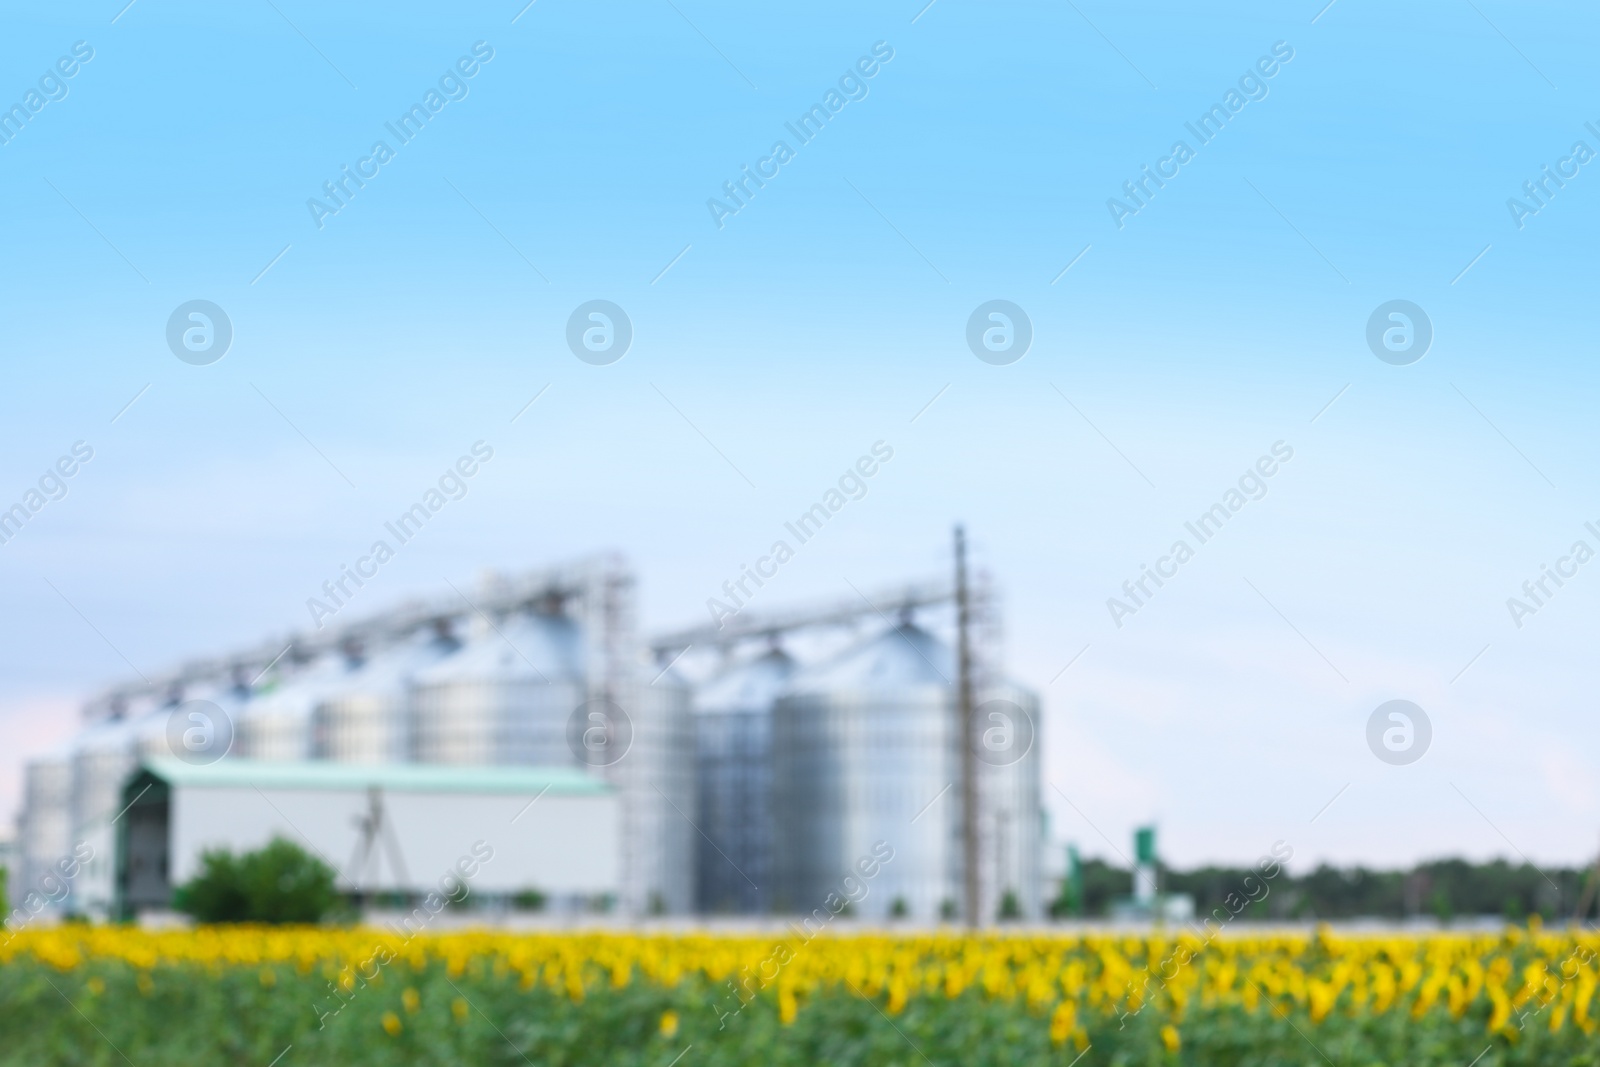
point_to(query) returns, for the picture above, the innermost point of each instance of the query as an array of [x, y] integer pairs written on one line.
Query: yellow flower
[[1062, 1021], [1512, 977]]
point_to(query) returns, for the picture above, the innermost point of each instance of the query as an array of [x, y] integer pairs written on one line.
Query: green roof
[[396, 777]]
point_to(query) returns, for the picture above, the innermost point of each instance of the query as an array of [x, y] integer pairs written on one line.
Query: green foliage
[[1102, 883], [281, 883], [1439, 904], [529, 900], [1444, 889], [186, 1014]]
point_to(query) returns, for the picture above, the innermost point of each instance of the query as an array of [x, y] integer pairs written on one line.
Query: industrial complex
[[528, 731]]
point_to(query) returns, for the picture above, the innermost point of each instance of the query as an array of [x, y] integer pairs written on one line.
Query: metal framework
[[598, 589], [885, 604]]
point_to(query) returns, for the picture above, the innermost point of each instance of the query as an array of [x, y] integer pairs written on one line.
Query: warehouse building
[[391, 829]]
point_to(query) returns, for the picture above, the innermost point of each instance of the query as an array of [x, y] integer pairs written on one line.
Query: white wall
[[560, 844]]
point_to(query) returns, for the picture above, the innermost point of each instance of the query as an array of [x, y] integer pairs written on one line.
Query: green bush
[[281, 883], [529, 900]]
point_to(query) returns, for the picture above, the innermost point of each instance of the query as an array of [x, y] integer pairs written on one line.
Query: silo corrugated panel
[[44, 827], [1009, 838], [367, 720], [276, 723], [733, 760], [864, 751], [232, 699], [656, 778], [505, 697]]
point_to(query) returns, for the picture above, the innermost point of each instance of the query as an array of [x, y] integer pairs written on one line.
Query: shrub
[[529, 900], [281, 883]]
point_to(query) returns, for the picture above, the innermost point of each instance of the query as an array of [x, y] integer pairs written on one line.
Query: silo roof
[[752, 684], [903, 656], [526, 646], [391, 668]]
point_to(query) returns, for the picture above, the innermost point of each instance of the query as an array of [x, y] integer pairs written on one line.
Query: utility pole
[[964, 713]]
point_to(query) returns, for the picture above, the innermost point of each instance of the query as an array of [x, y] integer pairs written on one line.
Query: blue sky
[[1223, 317]]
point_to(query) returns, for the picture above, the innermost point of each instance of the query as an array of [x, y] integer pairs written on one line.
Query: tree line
[[1442, 889]]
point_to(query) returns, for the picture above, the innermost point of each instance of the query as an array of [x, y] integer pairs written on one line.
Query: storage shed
[[385, 829]]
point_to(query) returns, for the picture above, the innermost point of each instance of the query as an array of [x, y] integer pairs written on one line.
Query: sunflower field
[[359, 997]]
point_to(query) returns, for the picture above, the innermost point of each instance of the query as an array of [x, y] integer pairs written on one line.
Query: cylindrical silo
[[230, 697], [733, 770], [865, 751], [44, 830], [366, 719], [275, 724], [506, 697], [656, 779], [1007, 724]]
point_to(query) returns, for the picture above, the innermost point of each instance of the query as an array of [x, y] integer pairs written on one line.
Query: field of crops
[[116, 996]]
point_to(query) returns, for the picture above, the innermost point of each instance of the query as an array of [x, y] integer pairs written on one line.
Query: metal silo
[[733, 768], [505, 697], [656, 778], [232, 698], [365, 719], [44, 828], [275, 724], [1009, 780], [865, 751]]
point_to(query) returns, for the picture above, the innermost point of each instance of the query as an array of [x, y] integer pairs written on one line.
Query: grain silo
[[44, 830], [547, 678], [275, 724], [1011, 824], [506, 697], [864, 751], [656, 778], [365, 718], [733, 797]]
